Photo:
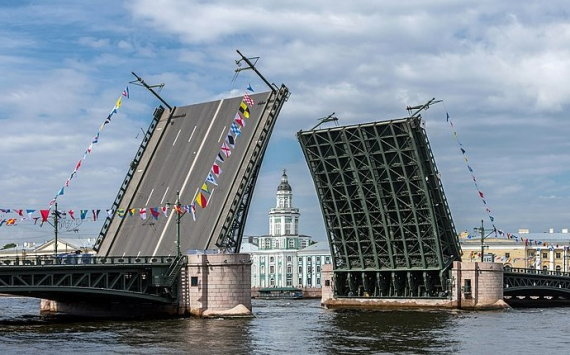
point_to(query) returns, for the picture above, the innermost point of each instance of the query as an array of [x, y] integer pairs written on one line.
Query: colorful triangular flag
[[201, 200], [231, 141], [248, 100], [244, 109], [226, 150], [235, 129], [239, 120], [211, 179], [216, 169]]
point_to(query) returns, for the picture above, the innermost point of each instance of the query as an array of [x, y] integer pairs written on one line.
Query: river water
[[292, 327]]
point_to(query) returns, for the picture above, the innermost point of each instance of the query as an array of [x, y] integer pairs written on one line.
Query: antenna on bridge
[[421, 107], [329, 118], [251, 66], [140, 82]]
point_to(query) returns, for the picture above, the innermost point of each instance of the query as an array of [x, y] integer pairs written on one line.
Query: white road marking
[[194, 130], [164, 196], [175, 139], [151, 191], [221, 134]]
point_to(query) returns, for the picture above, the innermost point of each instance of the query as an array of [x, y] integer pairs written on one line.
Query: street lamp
[[483, 237], [56, 216]]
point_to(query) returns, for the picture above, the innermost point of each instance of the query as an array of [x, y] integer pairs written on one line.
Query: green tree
[[9, 246]]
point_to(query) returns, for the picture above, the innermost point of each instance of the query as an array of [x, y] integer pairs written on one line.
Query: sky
[[501, 69]]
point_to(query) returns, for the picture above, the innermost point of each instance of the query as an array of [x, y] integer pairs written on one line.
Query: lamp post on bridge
[[483, 237]]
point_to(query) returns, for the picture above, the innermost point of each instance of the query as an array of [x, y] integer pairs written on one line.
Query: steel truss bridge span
[[387, 219], [528, 286], [93, 279]]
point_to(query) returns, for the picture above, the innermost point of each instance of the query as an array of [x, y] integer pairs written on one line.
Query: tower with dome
[[285, 258]]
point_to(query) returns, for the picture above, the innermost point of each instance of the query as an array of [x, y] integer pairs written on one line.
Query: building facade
[[540, 251], [285, 258]]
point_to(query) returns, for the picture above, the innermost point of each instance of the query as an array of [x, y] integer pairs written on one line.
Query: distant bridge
[[533, 287]]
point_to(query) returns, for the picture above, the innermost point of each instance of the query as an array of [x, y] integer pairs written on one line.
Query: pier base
[[219, 285], [475, 286]]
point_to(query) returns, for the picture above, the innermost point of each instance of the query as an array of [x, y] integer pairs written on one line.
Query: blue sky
[[500, 67]]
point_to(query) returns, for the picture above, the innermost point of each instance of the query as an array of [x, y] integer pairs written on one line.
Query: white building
[[285, 258]]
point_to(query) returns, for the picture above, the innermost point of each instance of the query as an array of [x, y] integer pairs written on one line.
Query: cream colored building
[[29, 250], [540, 251]]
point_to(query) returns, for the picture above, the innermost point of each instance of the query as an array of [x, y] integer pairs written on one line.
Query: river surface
[[292, 327]]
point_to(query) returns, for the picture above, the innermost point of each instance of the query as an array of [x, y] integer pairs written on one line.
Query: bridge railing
[[537, 272], [84, 259]]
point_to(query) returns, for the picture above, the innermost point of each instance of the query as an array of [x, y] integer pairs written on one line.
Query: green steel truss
[[387, 219], [92, 278]]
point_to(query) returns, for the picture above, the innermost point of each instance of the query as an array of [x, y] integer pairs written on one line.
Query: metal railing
[[536, 272], [85, 259]]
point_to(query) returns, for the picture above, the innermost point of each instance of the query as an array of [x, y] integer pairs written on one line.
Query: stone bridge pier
[[216, 285]]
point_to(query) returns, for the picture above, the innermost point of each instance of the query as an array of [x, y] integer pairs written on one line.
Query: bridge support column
[[218, 285], [478, 285]]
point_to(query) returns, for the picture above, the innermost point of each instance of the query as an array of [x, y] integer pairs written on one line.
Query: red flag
[[216, 169], [70, 212], [45, 215]]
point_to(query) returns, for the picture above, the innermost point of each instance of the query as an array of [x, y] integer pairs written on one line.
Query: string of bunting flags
[[201, 198], [464, 153], [95, 140], [204, 193], [31, 215]]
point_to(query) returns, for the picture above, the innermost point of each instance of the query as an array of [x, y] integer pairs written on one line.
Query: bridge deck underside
[[383, 205], [178, 158]]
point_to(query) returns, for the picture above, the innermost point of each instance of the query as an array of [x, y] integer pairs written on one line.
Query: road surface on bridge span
[[179, 158]]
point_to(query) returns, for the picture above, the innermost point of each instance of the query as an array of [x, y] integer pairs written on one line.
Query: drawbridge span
[[176, 163], [387, 219]]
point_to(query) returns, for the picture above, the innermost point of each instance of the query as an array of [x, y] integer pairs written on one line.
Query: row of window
[[318, 259], [289, 282], [544, 255], [289, 269]]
